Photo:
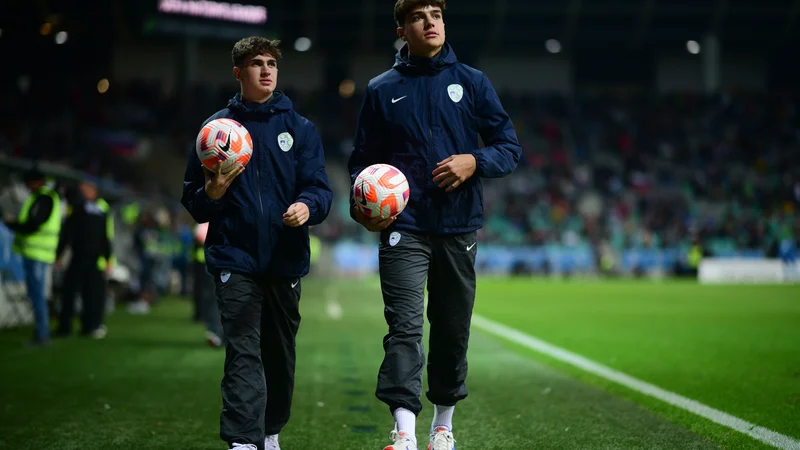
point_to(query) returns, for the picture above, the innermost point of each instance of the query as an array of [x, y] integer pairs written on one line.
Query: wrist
[[213, 194], [474, 155]]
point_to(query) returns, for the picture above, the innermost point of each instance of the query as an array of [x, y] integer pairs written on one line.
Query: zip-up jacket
[[421, 112], [246, 233]]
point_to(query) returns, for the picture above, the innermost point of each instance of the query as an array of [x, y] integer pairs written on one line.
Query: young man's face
[[424, 30], [258, 77], [89, 191]]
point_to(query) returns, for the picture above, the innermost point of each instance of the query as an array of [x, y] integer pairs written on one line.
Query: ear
[[237, 73], [401, 33]]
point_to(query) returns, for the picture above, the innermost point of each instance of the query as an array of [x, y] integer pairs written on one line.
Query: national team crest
[[455, 91], [285, 141], [394, 238], [225, 276]]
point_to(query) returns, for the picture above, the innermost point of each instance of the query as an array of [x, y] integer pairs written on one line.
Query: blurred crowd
[[622, 169]]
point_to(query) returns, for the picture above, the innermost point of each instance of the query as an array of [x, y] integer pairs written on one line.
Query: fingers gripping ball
[[381, 190], [223, 142]]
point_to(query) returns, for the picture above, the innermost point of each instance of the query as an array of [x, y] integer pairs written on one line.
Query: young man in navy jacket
[[257, 246], [424, 117]]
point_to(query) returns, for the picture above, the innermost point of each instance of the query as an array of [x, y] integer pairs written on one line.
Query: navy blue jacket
[[421, 112], [246, 233]]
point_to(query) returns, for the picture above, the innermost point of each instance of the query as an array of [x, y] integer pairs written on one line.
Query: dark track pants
[[260, 319], [406, 261], [83, 276]]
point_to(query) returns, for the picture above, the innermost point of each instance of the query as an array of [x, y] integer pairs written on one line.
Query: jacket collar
[[277, 103], [406, 63]]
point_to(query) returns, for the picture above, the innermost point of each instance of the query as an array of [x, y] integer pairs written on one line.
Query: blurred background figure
[[88, 233], [36, 231], [204, 293]]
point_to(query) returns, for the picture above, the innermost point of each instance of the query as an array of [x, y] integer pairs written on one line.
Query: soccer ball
[[381, 190], [223, 142]]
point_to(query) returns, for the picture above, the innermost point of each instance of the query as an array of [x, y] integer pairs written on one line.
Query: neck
[[263, 99], [428, 53]]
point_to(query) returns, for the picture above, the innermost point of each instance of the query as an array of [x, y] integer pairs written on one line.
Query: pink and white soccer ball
[[381, 190], [225, 142]]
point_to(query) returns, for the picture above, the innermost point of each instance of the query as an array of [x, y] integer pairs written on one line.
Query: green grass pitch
[[153, 384]]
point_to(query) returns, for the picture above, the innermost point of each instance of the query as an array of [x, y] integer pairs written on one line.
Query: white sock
[[406, 422], [442, 417]]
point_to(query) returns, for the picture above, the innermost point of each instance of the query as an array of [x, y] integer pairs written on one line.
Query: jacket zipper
[[260, 203], [430, 124], [258, 177]]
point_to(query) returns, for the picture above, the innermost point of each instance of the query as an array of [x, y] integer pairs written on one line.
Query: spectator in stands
[[36, 231]]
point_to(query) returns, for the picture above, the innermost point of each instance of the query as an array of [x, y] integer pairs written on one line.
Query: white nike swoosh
[[470, 247], [295, 284], [395, 100]]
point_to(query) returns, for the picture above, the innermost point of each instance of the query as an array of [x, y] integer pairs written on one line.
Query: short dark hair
[[252, 46], [404, 7], [33, 174]]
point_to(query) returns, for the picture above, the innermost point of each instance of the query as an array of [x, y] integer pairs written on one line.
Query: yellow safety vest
[[130, 213], [101, 261], [315, 247], [42, 244], [200, 255], [695, 256]]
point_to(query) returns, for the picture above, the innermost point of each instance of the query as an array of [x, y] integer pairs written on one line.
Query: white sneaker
[[213, 340], [99, 333], [271, 443], [401, 441], [238, 446], [442, 439]]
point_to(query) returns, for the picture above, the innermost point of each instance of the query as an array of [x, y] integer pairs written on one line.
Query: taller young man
[[424, 117], [257, 246]]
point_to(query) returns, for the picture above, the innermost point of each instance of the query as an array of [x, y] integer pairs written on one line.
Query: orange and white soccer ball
[[225, 142], [381, 190]]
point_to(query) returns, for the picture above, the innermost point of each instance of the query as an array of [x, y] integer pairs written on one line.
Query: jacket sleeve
[[312, 180], [194, 197], [367, 148], [37, 215], [108, 247], [67, 231], [501, 154]]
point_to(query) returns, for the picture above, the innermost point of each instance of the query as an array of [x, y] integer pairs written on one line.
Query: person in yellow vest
[[89, 232], [315, 248], [205, 298], [694, 257], [36, 231]]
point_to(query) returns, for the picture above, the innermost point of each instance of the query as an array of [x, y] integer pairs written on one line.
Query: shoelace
[[442, 438], [394, 436], [238, 446]]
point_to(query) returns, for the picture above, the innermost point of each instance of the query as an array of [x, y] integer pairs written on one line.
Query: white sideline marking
[[762, 434]]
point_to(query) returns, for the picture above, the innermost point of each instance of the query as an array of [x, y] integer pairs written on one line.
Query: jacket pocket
[[463, 207], [291, 256]]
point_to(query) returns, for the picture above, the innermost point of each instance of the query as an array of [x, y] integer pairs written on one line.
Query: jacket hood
[[406, 63], [278, 102]]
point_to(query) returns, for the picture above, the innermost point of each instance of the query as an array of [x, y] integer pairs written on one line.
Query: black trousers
[[260, 319], [82, 275], [406, 261]]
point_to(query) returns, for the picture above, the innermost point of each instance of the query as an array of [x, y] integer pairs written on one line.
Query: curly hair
[[247, 48], [404, 7]]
